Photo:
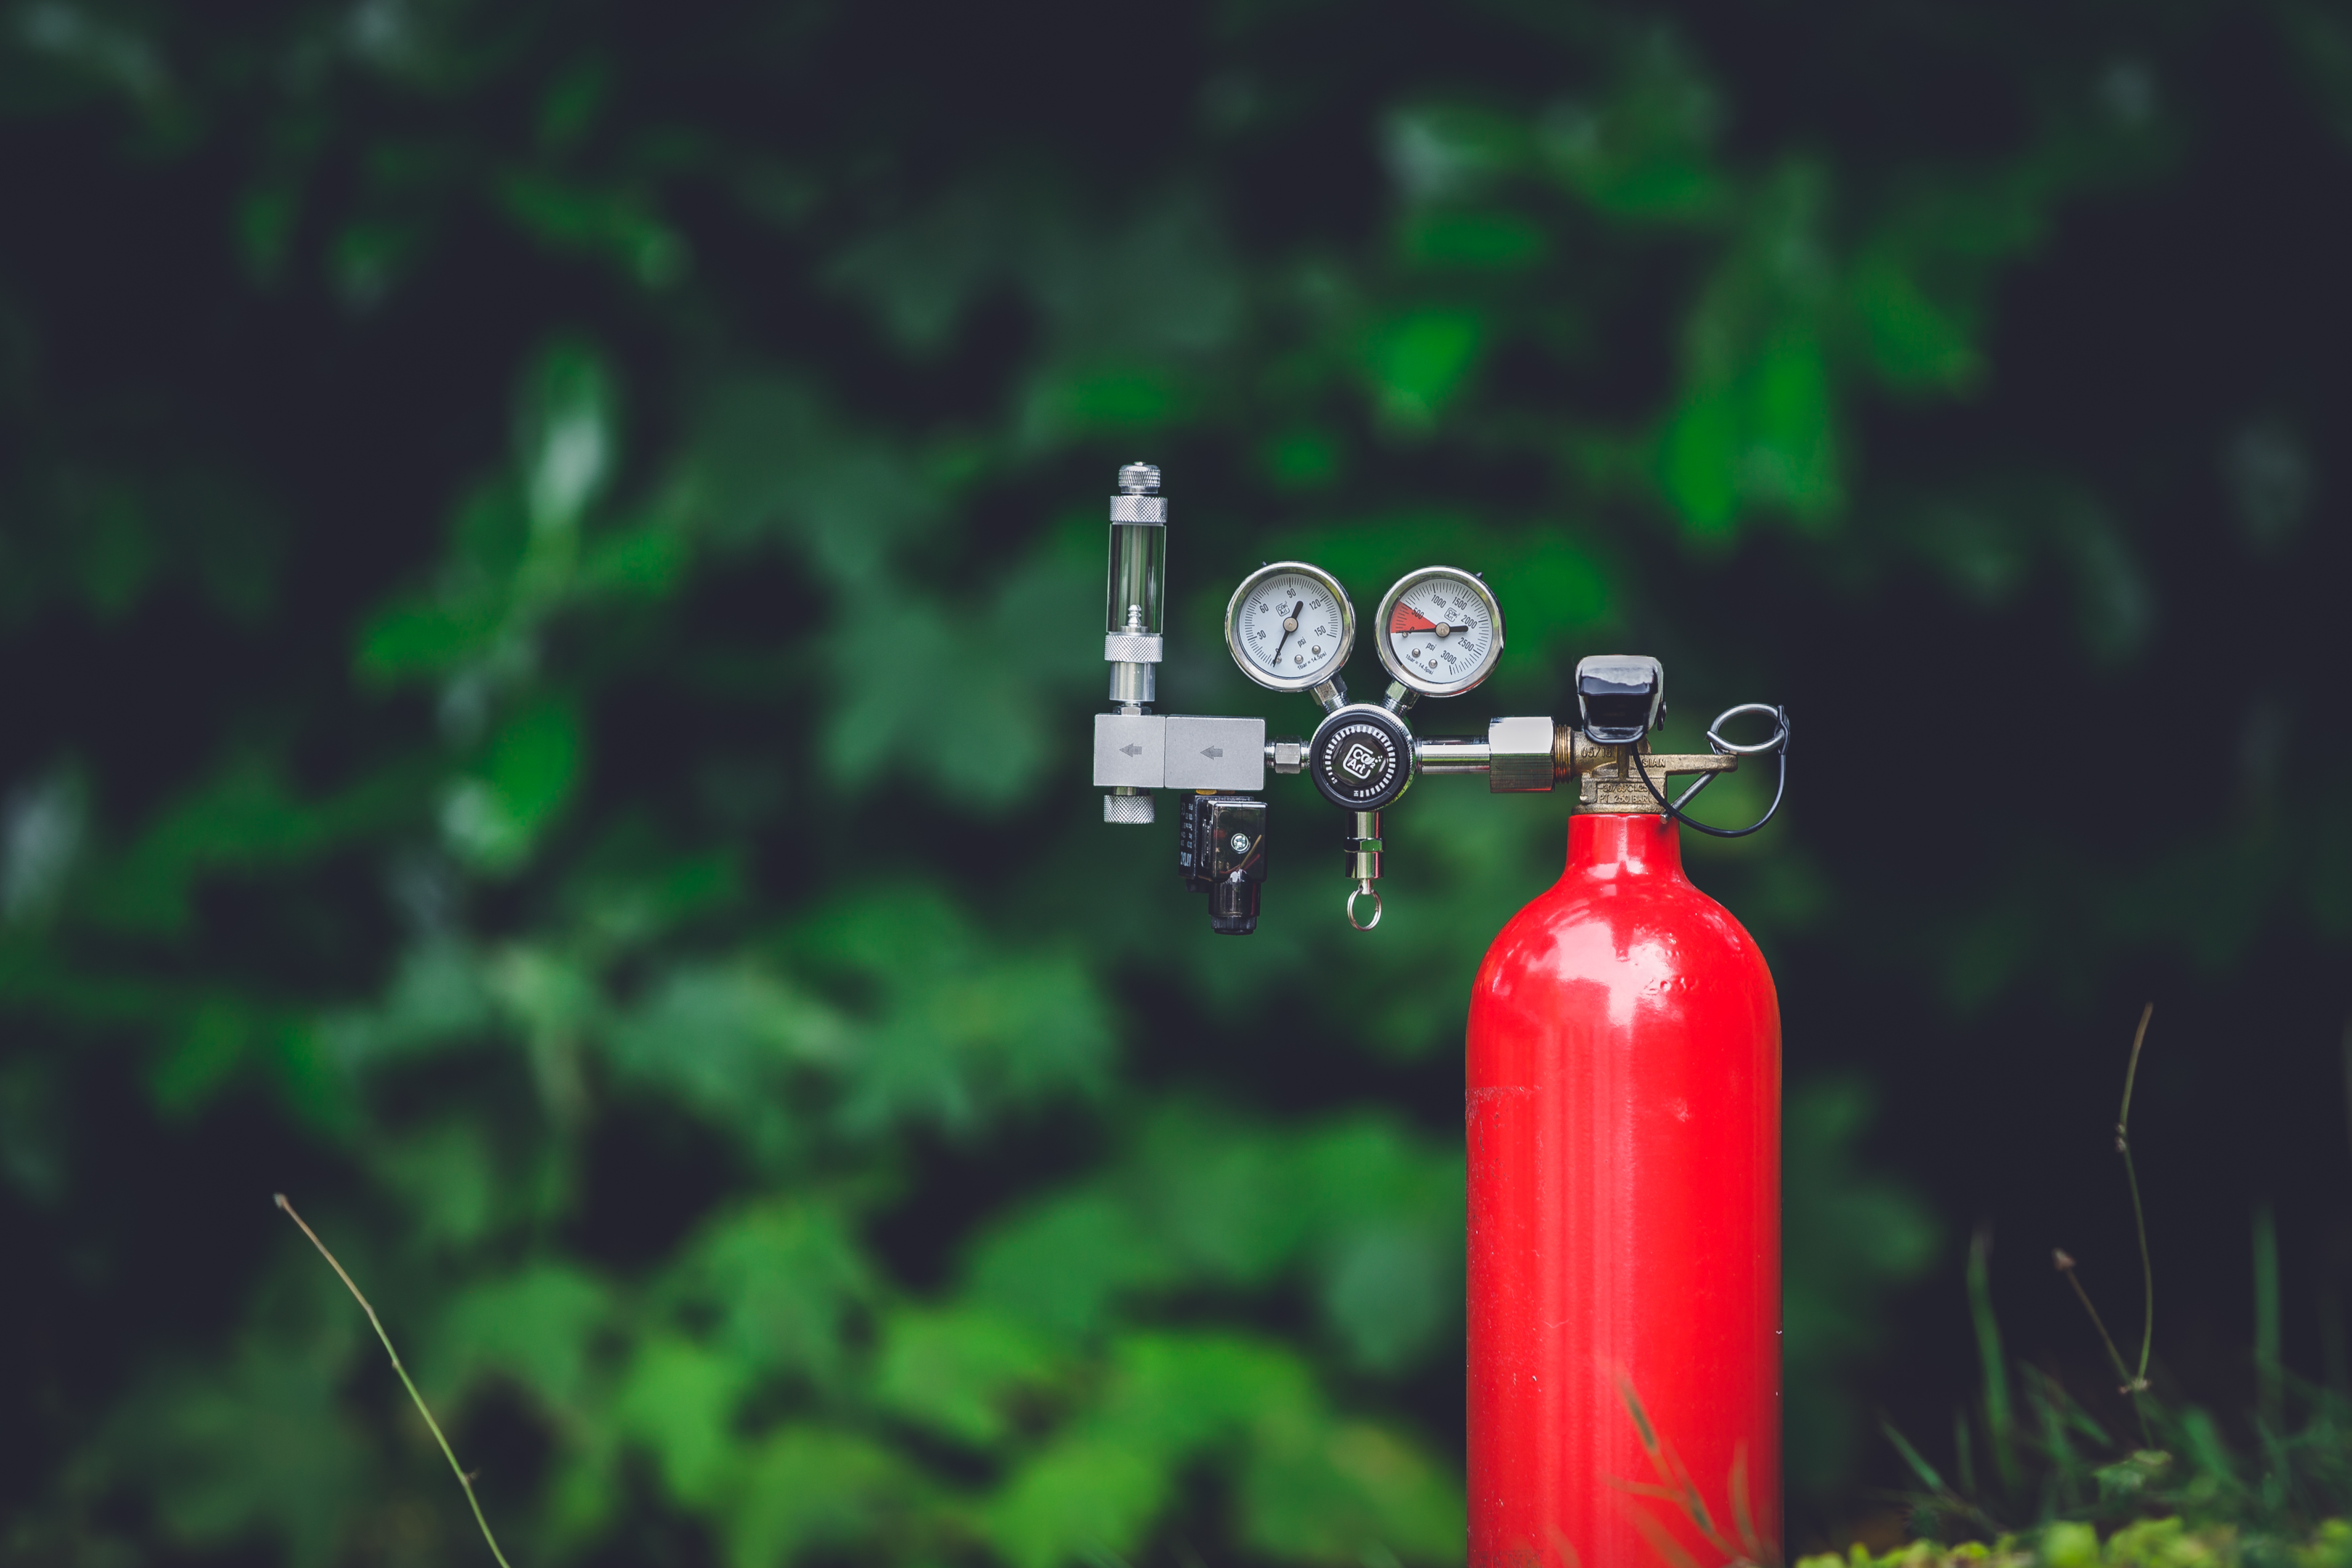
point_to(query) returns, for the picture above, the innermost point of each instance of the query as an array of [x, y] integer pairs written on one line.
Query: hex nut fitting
[[1518, 755]]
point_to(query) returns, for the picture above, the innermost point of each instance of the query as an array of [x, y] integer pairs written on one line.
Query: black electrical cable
[[1781, 715]]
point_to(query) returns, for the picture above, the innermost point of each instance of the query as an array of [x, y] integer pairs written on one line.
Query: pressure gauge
[[1290, 626], [1440, 631]]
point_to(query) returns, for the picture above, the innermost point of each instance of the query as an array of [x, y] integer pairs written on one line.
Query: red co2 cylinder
[[1624, 1116]]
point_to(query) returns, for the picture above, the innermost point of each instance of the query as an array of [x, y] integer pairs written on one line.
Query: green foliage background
[[551, 556]]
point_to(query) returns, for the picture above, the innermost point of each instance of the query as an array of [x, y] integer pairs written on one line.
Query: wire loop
[[1773, 743], [1357, 892], [1777, 744]]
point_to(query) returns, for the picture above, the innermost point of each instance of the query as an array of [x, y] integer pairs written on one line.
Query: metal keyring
[[1724, 748], [1355, 893]]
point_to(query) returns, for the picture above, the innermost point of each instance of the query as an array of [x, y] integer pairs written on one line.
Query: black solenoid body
[[1221, 851]]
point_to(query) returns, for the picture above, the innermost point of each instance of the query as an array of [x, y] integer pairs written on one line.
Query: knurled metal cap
[[1134, 810], [1138, 499], [1132, 647]]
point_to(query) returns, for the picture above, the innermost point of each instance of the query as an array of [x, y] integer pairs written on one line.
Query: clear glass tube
[[1133, 598]]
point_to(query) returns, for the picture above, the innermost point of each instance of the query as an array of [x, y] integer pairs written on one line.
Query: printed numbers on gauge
[[1289, 630], [1289, 627], [1440, 631]]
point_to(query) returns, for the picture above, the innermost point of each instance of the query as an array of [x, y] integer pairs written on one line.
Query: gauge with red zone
[[1439, 631]]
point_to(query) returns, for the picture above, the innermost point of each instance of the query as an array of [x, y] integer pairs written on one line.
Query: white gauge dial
[[1290, 626], [1440, 631]]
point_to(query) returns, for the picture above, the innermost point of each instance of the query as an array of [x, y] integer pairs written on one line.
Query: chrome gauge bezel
[[1321, 579], [1412, 678]]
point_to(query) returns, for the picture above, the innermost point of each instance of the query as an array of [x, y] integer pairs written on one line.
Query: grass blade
[[2139, 1214], [2270, 1395], [1912, 1456], [1995, 1365], [1962, 1445]]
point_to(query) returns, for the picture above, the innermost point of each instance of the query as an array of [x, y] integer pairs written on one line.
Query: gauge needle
[[1289, 624], [1405, 618]]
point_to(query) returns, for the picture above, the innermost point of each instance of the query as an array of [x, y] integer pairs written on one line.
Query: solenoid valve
[[1221, 851]]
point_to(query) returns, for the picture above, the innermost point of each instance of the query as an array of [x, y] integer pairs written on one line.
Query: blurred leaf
[[1097, 1487], [611, 223], [1390, 1256], [1348, 1491], [32, 1133], [1210, 1184], [565, 435], [1171, 1394], [1082, 1499], [678, 1399], [493, 820], [1442, 151], [1418, 361], [1913, 341], [778, 1282], [957, 1025], [44, 827], [766, 456], [1059, 1264], [241, 819], [437, 998], [537, 1328], [257, 1445], [1756, 422], [1474, 241], [1557, 590], [812, 1487], [1645, 150], [989, 746], [955, 1371], [448, 1180]]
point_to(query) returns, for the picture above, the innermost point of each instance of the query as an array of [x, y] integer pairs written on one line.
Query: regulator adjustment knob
[[1361, 757]]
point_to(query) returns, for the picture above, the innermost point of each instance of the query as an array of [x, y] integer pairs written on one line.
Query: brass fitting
[[1605, 782]]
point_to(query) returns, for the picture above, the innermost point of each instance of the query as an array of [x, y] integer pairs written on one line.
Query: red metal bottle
[[1624, 1117]]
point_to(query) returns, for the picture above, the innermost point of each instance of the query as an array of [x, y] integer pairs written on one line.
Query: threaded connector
[[1139, 479]]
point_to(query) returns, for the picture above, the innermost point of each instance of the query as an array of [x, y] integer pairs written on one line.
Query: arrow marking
[[1212, 752], [1131, 750]]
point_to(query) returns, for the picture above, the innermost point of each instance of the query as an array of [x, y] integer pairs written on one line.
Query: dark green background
[[549, 567]]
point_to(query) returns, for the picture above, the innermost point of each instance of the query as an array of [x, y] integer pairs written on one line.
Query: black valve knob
[[1361, 757], [1620, 697]]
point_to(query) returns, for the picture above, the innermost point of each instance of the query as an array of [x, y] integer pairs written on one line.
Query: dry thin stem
[[457, 1469], [2066, 1263], [2130, 1385], [2138, 1382]]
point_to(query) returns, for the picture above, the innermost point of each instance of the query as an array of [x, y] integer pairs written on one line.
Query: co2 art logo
[[1361, 761]]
